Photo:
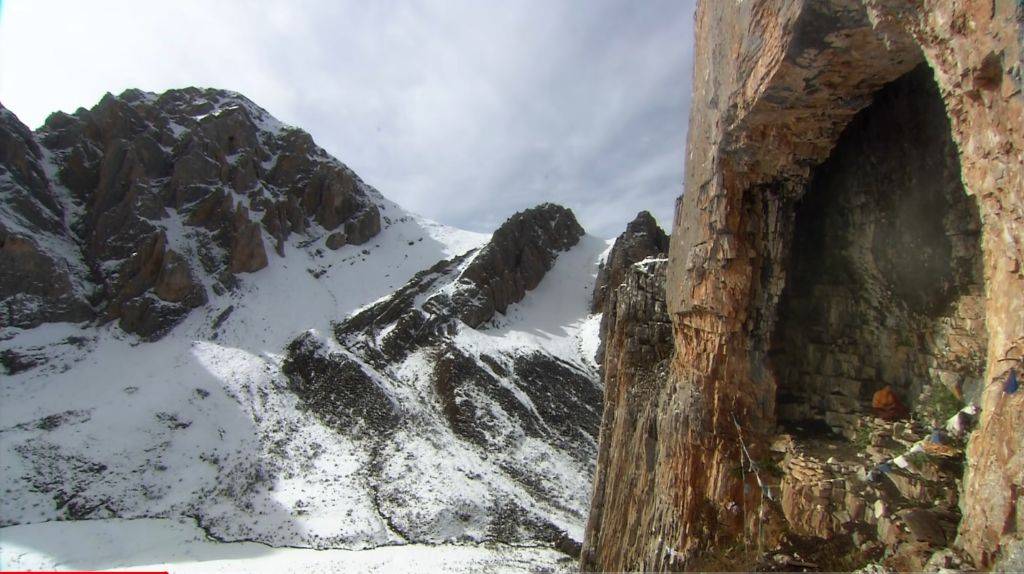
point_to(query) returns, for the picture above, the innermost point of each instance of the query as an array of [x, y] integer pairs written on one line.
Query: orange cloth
[[888, 406]]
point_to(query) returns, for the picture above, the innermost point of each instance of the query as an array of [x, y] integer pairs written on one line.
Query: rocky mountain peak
[[643, 223], [521, 251], [146, 190], [641, 239], [468, 289]]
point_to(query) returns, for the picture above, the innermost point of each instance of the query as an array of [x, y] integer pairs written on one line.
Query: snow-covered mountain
[[475, 433], [375, 379]]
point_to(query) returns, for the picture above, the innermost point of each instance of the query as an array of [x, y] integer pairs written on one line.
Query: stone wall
[[775, 84]]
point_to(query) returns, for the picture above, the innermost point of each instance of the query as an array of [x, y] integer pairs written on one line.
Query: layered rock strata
[[641, 240], [637, 341], [776, 84], [884, 284]]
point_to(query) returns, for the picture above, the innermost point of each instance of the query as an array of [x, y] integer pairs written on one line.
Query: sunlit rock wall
[[775, 84]]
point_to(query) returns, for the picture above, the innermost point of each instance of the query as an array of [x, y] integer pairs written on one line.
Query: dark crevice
[[883, 284]]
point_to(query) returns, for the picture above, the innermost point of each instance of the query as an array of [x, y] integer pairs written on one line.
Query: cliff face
[[636, 335], [41, 277], [779, 218]]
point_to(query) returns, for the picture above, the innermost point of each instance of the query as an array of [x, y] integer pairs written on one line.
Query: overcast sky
[[461, 111]]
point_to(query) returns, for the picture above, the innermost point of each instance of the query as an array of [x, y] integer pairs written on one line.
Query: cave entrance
[[884, 284]]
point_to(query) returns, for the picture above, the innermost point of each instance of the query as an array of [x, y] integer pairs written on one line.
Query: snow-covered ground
[[180, 547], [199, 422], [140, 442], [516, 473]]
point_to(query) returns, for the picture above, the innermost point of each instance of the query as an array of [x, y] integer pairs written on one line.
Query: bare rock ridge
[[500, 403], [851, 225], [147, 201], [41, 276], [641, 240], [473, 287], [522, 250]]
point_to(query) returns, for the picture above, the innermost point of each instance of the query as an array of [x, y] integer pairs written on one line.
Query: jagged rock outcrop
[[776, 86], [521, 251], [424, 362], [41, 278], [641, 239], [469, 288], [161, 197]]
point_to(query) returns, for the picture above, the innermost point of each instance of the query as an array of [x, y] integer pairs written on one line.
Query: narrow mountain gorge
[[207, 318]]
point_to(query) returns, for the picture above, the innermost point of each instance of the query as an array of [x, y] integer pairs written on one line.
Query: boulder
[[336, 241]]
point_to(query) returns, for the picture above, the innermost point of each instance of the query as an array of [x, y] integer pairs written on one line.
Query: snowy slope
[[203, 432], [107, 426], [152, 544], [474, 434], [201, 424]]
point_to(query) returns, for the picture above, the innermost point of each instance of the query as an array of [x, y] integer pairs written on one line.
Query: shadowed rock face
[[39, 278], [884, 283], [157, 198]]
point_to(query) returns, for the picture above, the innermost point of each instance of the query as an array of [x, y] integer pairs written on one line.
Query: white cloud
[[464, 111]]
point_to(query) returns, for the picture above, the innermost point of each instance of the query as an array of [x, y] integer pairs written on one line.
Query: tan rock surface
[[775, 84]]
